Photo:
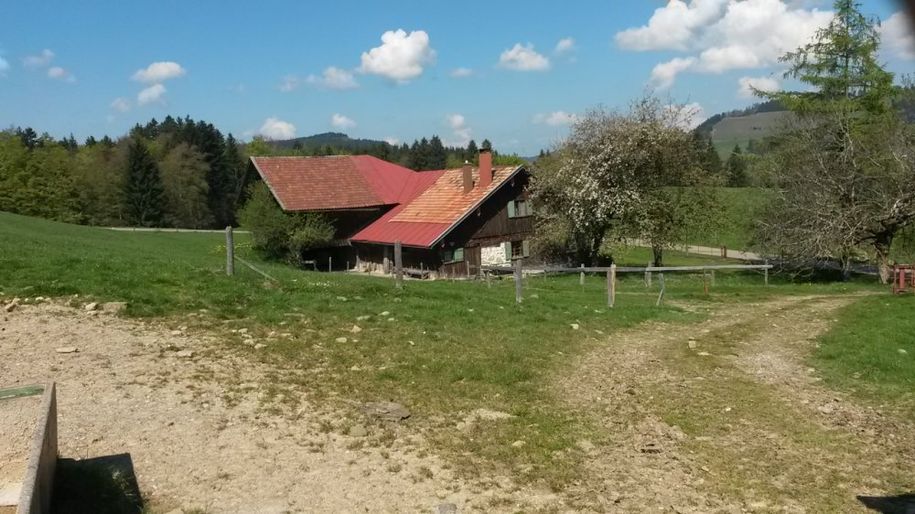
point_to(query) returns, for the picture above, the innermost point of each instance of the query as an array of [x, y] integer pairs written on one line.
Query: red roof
[[302, 183], [426, 204], [440, 206]]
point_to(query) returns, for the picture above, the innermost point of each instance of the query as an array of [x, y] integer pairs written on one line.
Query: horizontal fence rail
[[633, 269]]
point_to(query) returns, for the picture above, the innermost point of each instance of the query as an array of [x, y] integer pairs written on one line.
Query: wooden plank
[[631, 269], [518, 281], [661, 294], [230, 252], [581, 276], [248, 264], [611, 286], [398, 265]]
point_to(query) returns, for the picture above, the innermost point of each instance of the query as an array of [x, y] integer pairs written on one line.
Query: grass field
[[871, 350], [740, 206], [443, 348]]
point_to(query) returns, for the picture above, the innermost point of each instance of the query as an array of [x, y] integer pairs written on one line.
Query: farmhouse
[[447, 221]]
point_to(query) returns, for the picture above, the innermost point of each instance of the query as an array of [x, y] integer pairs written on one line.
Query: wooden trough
[[28, 448]]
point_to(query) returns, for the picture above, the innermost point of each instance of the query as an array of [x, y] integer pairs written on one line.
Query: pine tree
[[437, 156], [737, 169], [841, 66], [143, 191], [472, 153], [486, 145]]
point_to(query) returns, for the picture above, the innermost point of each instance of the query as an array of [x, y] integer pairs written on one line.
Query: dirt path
[[725, 416], [200, 430]]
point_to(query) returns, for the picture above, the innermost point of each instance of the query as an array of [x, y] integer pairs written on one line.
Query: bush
[[277, 234]]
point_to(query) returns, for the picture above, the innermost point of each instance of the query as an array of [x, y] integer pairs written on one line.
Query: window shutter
[[458, 254], [511, 209], [526, 248], [508, 250]]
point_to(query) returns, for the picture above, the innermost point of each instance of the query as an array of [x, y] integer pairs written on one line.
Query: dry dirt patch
[[725, 416], [190, 413]]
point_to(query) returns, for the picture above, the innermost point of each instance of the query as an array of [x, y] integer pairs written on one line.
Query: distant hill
[[739, 127], [336, 140]]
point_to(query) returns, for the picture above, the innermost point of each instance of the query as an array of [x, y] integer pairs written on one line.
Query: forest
[[179, 172]]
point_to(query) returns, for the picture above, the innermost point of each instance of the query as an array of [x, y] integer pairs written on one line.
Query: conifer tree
[[143, 191]]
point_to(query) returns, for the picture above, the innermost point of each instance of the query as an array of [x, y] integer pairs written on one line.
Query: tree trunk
[[845, 262], [882, 244], [657, 256]]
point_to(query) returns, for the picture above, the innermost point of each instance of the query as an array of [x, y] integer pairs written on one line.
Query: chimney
[[485, 168], [468, 177]]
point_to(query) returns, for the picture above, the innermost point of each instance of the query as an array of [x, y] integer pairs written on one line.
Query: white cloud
[[748, 84], [523, 58], [461, 132], [4, 66], [290, 83], [564, 45], [722, 35], [58, 73], [341, 122], [897, 36], [555, 119], [401, 56], [159, 72], [153, 93], [334, 78], [461, 72], [687, 116], [393, 141], [41, 60], [120, 104], [664, 74], [275, 128], [673, 26]]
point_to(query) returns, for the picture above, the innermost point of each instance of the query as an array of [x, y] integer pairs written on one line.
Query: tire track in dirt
[[684, 409], [203, 430]]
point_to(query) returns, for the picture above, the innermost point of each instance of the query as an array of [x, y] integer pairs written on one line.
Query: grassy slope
[[862, 351], [739, 130], [448, 347], [740, 208]]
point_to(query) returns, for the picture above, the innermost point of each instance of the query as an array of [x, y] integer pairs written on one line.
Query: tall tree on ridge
[[143, 191]]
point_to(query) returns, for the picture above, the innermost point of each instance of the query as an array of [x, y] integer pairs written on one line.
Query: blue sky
[[514, 72]]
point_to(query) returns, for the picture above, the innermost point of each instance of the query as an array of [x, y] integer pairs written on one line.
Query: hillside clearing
[[279, 375]]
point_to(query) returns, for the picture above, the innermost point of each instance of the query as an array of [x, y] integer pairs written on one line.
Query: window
[[452, 254], [519, 208], [517, 249]]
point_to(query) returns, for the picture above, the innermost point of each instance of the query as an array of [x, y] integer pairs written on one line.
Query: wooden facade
[[490, 225]]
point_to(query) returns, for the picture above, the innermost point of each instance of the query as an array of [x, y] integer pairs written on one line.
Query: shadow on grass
[[103, 485], [901, 504]]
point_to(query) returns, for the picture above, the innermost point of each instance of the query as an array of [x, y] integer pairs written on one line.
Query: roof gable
[[437, 210], [334, 182]]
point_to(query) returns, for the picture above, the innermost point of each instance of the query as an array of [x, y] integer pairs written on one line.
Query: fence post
[[611, 285], [705, 282], [398, 265], [767, 273], [648, 275], [661, 295], [517, 280], [330, 263], [230, 252], [488, 274], [713, 278], [581, 276]]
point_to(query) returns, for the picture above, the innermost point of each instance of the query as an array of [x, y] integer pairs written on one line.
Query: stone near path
[[114, 307], [91, 306], [447, 508], [10, 307], [185, 354], [386, 411], [67, 349]]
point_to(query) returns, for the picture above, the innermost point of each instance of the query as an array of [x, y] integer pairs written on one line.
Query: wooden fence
[[611, 272]]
